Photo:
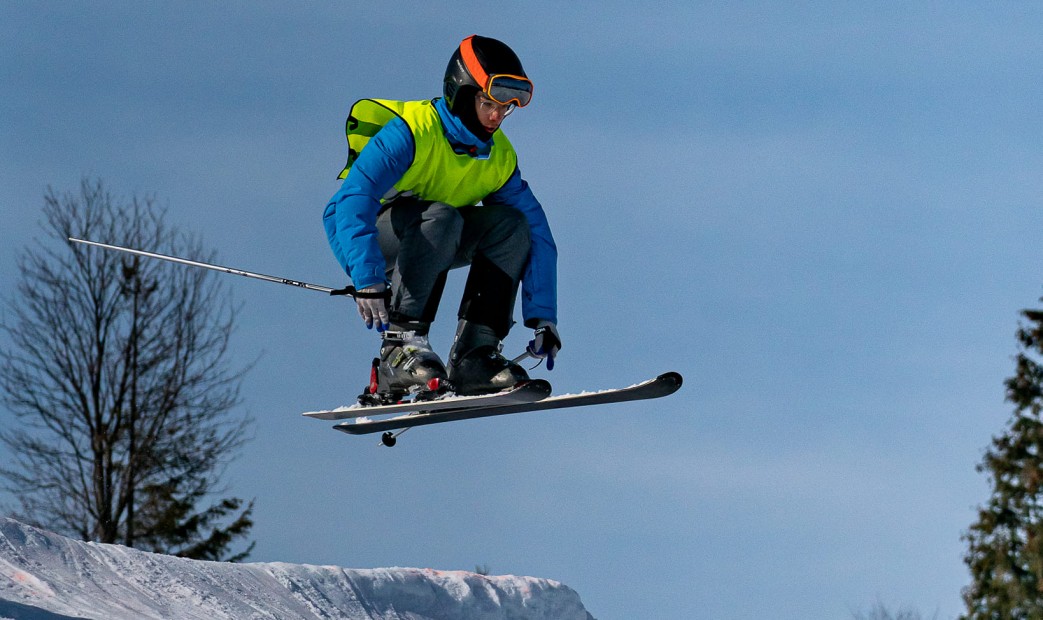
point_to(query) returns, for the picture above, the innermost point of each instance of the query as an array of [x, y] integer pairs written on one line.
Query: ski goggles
[[502, 88]]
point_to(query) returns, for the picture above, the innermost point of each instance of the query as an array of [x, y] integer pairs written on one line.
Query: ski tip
[[671, 378]]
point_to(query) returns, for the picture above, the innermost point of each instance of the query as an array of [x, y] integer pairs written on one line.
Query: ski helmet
[[489, 66]]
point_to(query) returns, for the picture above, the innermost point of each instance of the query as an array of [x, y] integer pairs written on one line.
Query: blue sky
[[825, 216]]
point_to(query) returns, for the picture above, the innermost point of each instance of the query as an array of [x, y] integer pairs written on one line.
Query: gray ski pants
[[421, 241]]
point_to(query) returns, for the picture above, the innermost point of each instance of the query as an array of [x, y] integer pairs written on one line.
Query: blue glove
[[545, 344]]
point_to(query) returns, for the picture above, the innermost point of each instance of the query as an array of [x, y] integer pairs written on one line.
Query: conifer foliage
[[1005, 553], [117, 384]]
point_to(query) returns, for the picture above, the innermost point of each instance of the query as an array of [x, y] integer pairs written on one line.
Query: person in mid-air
[[408, 212]]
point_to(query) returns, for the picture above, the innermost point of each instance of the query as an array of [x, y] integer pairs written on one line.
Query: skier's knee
[[514, 229], [444, 220]]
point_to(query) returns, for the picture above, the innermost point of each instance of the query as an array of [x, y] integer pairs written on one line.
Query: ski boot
[[407, 366], [476, 365]]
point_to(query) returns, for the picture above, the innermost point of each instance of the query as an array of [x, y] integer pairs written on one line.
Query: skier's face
[[490, 113]]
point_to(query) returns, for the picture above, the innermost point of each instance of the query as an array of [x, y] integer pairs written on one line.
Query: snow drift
[[44, 576]]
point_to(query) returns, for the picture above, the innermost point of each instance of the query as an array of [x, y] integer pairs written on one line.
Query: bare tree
[[118, 379], [880, 612]]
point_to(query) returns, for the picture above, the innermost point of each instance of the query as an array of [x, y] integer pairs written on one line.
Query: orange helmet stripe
[[471, 62]]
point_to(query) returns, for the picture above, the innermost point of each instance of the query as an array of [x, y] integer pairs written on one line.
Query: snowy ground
[[44, 576]]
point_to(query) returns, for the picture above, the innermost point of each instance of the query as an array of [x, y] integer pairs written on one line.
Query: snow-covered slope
[[44, 576]]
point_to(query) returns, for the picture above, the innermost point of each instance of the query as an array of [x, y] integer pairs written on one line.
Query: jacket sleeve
[[540, 279], [350, 217]]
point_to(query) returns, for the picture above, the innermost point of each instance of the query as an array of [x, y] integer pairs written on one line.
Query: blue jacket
[[351, 214]]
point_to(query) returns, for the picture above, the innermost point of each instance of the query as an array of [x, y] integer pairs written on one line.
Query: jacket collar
[[461, 138]]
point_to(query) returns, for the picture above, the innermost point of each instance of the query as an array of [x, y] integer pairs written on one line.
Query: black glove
[[545, 344]]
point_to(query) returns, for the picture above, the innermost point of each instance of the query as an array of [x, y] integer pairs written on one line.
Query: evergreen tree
[[1005, 553], [117, 377]]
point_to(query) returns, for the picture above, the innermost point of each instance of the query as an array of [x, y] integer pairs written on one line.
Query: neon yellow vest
[[437, 173]]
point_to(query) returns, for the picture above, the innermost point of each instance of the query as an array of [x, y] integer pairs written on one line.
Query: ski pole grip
[[351, 291]]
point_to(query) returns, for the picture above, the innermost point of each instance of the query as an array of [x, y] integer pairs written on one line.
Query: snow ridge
[[44, 576]]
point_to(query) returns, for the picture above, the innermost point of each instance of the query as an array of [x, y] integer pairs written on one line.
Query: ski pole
[[524, 355], [527, 354], [348, 290]]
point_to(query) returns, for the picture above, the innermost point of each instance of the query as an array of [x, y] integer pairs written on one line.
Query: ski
[[527, 392], [663, 385]]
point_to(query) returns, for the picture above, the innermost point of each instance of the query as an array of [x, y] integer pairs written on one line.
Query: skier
[[408, 212]]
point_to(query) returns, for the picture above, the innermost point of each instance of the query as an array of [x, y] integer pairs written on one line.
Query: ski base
[[663, 385]]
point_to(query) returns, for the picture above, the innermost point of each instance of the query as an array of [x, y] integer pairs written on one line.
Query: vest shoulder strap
[[366, 118]]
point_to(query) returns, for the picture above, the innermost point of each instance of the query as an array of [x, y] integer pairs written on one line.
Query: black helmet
[[489, 66]]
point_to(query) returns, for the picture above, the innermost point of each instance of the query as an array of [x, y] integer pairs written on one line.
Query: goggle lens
[[505, 89]]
